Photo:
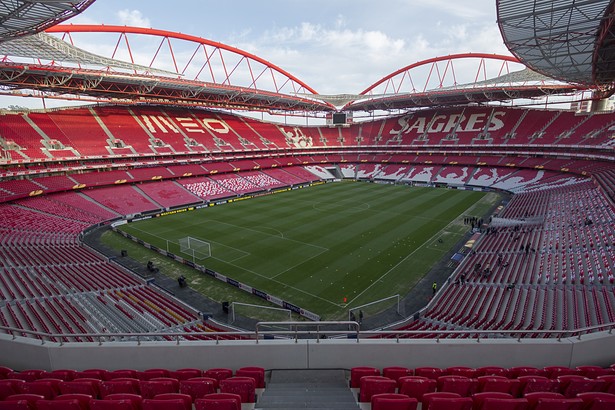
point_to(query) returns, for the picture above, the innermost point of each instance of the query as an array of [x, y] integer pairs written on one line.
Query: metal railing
[[294, 331]]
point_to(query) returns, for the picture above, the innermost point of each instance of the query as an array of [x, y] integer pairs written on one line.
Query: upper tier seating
[[110, 130], [122, 126], [82, 131], [168, 193]]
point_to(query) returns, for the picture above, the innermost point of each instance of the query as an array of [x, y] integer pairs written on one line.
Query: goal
[[196, 248], [359, 313], [259, 312]]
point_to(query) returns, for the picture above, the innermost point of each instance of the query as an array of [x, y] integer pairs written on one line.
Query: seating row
[[122, 401], [493, 401]]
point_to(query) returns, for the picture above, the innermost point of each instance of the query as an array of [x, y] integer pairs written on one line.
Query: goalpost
[[260, 312], [194, 247], [372, 308]]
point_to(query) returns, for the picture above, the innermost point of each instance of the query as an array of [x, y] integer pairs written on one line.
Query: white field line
[[409, 255]]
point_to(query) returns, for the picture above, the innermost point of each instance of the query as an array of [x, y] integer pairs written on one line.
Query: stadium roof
[[570, 40], [22, 17], [46, 47], [216, 75]]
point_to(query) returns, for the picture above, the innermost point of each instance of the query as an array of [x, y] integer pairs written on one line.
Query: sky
[[335, 46]]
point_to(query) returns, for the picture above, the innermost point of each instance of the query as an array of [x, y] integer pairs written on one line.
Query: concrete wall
[[595, 349]]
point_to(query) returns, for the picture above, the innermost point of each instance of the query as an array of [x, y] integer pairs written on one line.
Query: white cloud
[[340, 59], [133, 18]]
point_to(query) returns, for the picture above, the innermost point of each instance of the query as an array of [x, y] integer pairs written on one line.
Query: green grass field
[[316, 246]]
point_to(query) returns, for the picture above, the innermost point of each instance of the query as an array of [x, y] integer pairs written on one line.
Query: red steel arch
[[223, 64], [441, 74], [456, 80]]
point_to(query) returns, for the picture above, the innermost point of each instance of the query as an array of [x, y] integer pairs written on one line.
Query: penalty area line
[[285, 284]]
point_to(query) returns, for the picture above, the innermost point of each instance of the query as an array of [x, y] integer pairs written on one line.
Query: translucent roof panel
[[559, 38], [23, 17]]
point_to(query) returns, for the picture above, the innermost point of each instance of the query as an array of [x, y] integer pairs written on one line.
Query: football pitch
[[325, 248]]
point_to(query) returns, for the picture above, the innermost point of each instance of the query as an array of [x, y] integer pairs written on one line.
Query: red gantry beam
[[455, 79], [200, 60], [207, 72]]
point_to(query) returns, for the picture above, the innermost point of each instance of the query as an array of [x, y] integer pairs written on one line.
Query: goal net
[[196, 248], [364, 312], [258, 312]]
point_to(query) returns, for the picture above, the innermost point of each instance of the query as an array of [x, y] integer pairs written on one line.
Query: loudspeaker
[[225, 306]]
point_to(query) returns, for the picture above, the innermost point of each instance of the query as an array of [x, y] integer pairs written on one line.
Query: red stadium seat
[[4, 372], [393, 401], [357, 372], [257, 373], [558, 404], [498, 384], [153, 404], [491, 371], [597, 400], [497, 403], [429, 397], [73, 404], [198, 387], [553, 372], [122, 374], [609, 383], [152, 373], [464, 386], [429, 372], [593, 372], [160, 385], [111, 405], [9, 387], [62, 374], [454, 403], [120, 385], [46, 388], [461, 371], [479, 398], [83, 399], [371, 385], [16, 405], [519, 371], [218, 373], [395, 372], [571, 385], [81, 386], [99, 374], [531, 384], [177, 396], [185, 374], [31, 399], [243, 386], [135, 399], [219, 401], [27, 375], [416, 386], [532, 398]]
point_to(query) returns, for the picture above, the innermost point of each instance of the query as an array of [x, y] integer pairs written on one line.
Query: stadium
[[199, 228]]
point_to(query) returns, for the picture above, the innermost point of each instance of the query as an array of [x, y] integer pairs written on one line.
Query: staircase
[[307, 389]]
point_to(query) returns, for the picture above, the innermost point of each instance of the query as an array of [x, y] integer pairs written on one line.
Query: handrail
[[356, 328], [293, 333]]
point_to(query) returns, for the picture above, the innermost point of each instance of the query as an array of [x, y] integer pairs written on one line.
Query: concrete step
[[307, 389]]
